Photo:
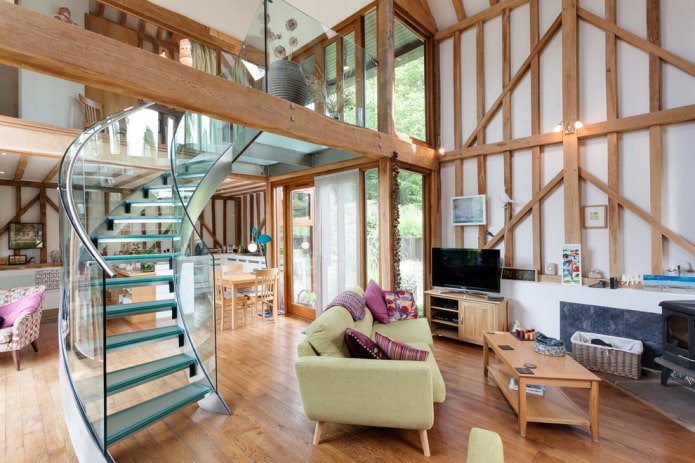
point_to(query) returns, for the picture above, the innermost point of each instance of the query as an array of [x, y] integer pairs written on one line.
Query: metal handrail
[[67, 198]]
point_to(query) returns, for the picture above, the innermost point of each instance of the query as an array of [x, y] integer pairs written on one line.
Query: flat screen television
[[468, 270]]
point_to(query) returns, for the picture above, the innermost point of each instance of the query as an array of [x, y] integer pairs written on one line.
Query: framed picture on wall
[[468, 210], [16, 260], [25, 235], [572, 264], [595, 217]]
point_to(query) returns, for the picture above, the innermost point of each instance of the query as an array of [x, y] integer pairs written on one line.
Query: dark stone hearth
[[611, 321]]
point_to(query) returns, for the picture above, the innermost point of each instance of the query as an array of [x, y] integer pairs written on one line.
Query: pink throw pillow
[[396, 350], [26, 305], [400, 305], [374, 296]]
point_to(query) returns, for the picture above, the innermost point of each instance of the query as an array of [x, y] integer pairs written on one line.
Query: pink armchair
[[25, 328]]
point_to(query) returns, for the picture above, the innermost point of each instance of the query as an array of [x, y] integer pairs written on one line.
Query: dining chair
[[223, 296], [263, 294], [92, 111]]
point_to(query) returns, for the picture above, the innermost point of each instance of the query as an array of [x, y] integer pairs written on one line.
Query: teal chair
[[484, 447]]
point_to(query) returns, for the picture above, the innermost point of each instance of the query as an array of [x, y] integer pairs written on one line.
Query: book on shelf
[[530, 388]]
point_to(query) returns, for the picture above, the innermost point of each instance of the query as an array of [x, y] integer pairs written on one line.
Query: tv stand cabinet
[[464, 316]]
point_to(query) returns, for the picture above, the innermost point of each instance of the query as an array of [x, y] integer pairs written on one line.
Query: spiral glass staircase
[[137, 319]]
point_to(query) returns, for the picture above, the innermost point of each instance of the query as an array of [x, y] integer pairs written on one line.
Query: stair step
[[126, 422], [188, 174], [135, 238], [120, 380], [184, 187], [138, 308], [136, 281], [125, 340], [144, 218], [140, 257]]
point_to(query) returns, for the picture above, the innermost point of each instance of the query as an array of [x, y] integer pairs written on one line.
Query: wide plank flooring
[[256, 378]]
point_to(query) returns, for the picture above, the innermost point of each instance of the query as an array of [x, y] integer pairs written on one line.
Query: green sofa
[[389, 393]]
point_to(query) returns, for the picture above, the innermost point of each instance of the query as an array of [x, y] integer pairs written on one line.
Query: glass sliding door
[[300, 244]]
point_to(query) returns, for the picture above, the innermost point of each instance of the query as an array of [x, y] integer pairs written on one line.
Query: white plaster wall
[[537, 304]]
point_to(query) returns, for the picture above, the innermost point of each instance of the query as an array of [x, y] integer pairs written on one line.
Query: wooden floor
[[256, 378]]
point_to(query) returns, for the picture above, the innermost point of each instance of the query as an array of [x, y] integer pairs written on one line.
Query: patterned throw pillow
[[352, 301], [400, 305], [396, 350], [360, 346]]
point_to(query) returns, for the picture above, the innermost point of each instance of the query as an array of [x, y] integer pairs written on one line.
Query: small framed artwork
[[468, 210], [521, 274], [17, 260], [572, 264], [595, 217]]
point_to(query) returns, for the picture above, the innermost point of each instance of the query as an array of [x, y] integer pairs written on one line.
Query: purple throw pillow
[[360, 346], [400, 305], [396, 350], [26, 305], [374, 296], [353, 302]]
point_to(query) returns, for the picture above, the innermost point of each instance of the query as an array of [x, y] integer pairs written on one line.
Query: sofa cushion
[[361, 346], [399, 351], [407, 331], [327, 333], [350, 300], [26, 305], [400, 305], [374, 296]]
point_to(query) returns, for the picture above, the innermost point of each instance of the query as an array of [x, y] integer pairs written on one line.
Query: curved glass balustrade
[[137, 305]]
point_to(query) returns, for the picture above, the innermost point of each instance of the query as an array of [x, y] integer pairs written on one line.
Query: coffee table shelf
[[552, 407], [553, 373]]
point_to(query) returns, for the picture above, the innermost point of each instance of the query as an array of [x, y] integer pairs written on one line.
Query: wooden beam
[[570, 108], [386, 231], [480, 113], [385, 37], [21, 166], [458, 103], [507, 135], [176, 23], [638, 122], [545, 139], [419, 12], [121, 68], [459, 9], [34, 138], [485, 15], [636, 41], [655, 141], [686, 245], [612, 146], [43, 253], [536, 153], [520, 73]]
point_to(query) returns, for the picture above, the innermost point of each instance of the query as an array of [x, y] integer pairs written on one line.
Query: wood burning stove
[[678, 326]]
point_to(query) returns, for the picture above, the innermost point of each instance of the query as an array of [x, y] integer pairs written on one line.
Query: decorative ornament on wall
[[395, 198]]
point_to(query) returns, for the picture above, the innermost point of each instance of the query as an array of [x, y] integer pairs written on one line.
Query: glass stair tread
[[139, 257], [187, 174], [135, 281], [118, 341], [144, 218], [125, 378], [125, 238], [185, 186], [138, 308], [125, 422]]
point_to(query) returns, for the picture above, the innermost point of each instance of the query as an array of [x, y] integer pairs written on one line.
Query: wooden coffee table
[[551, 372]]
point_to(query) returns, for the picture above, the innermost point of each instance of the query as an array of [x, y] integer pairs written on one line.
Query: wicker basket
[[622, 359]]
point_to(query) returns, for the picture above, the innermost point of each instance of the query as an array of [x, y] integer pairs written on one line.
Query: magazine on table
[[530, 388]]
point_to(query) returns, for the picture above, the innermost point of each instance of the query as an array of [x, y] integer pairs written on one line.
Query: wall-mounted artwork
[[468, 210], [595, 217], [572, 264], [26, 236]]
